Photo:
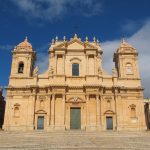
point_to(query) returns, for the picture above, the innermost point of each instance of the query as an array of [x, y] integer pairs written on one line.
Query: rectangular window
[[109, 123], [75, 69], [40, 123]]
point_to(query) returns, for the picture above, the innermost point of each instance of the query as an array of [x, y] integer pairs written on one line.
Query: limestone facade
[[75, 92], [2, 108]]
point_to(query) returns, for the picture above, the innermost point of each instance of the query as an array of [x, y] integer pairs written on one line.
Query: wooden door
[[75, 118]]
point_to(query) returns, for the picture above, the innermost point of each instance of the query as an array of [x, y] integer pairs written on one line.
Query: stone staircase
[[40, 140]]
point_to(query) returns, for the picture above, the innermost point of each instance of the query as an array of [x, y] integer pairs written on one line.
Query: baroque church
[[75, 92]]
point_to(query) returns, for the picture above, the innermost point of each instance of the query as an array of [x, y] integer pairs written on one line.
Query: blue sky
[[107, 20]]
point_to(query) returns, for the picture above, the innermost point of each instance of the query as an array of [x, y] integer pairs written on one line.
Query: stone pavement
[[74, 140]]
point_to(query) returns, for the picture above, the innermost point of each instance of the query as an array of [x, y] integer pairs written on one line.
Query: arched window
[[21, 67], [75, 69], [129, 69], [133, 112], [16, 111]]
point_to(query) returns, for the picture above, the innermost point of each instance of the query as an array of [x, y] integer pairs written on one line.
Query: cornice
[[128, 78], [93, 85], [74, 87], [126, 53], [18, 77], [23, 52]]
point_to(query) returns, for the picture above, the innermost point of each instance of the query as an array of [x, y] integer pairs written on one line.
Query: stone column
[[102, 113], [53, 110], [87, 64], [87, 110], [64, 64], [100, 101], [50, 97], [97, 110], [34, 98], [94, 64], [55, 64], [63, 109]]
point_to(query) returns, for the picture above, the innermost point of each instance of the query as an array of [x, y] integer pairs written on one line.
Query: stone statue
[[36, 71], [99, 70], [114, 72]]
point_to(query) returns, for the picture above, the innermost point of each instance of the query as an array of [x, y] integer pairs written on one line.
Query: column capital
[[53, 95], [64, 96], [49, 95], [97, 95]]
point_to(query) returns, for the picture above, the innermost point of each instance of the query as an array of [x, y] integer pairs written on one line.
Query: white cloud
[[55, 9], [42, 62], [42, 58], [5, 47], [130, 26], [141, 41]]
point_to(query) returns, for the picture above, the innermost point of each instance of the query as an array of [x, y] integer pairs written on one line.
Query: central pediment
[[75, 43]]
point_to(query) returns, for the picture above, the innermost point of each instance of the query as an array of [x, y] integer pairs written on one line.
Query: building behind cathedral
[[75, 92], [2, 108]]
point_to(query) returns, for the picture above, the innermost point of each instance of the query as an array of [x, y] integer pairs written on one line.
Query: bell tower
[[126, 61], [23, 60]]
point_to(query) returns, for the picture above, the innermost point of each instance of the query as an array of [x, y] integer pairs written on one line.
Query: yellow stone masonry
[[75, 92]]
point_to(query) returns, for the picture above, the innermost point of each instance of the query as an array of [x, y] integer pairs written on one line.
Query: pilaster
[[97, 110], [53, 110]]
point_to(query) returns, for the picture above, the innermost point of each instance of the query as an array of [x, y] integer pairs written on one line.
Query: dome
[[24, 45], [125, 44], [125, 47]]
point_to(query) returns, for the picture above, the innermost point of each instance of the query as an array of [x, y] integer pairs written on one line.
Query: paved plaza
[[77, 140]]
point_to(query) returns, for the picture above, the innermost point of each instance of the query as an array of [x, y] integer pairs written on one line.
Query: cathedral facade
[[75, 92]]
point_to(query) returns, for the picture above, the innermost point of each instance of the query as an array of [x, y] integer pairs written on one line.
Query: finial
[[86, 39], [64, 38], [98, 42], [53, 41], [94, 39], [123, 40], [26, 39], [56, 38], [75, 36]]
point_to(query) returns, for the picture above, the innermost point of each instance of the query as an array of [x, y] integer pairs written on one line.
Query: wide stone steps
[[74, 140]]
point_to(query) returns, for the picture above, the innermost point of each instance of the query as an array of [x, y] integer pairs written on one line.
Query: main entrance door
[[109, 123], [75, 118], [40, 123]]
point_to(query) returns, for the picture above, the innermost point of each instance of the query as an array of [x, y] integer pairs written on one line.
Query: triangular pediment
[[62, 45], [75, 44], [90, 46]]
